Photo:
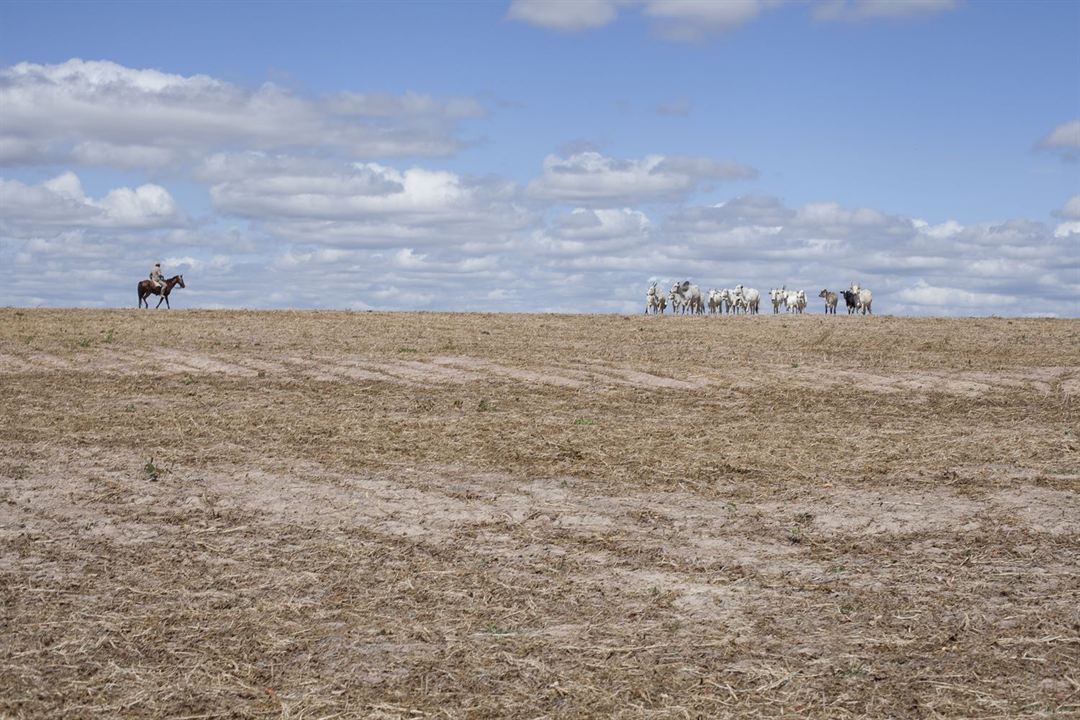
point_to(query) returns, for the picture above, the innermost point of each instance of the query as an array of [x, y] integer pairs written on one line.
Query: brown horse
[[149, 287]]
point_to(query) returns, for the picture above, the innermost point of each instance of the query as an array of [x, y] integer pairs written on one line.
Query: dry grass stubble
[[399, 515]]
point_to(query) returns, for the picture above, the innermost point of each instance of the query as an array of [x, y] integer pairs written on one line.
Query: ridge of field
[[397, 515]]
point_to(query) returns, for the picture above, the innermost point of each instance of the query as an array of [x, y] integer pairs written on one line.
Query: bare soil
[[327, 514]]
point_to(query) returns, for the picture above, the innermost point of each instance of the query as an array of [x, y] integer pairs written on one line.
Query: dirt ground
[[325, 514]]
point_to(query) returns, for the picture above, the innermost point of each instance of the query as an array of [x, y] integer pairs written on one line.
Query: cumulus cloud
[[99, 112], [589, 178], [1066, 135], [1068, 229], [409, 104], [360, 204], [837, 219], [692, 20], [61, 201], [741, 211], [676, 19], [939, 231], [1064, 140], [215, 264], [944, 298], [1071, 210], [562, 15], [1070, 213], [585, 231], [856, 10]]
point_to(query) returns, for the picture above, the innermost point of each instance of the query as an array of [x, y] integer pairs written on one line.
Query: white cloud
[[583, 224], [1071, 214], [108, 154], [62, 202], [187, 264], [291, 259], [360, 204], [692, 20], [1067, 229], [263, 186], [410, 104], [407, 259], [145, 205], [593, 179], [677, 19], [855, 10], [99, 112], [584, 232], [940, 231], [943, 298], [741, 211], [1066, 135], [1071, 210], [563, 15], [21, 150], [831, 215]]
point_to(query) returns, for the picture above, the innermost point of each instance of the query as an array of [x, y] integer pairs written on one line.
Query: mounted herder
[[158, 285], [157, 277]]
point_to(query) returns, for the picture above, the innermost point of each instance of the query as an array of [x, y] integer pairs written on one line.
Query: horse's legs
[[159, 302]]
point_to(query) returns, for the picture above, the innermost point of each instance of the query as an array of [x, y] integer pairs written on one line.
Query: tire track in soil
[[413, 372], [199, 363], [14, 365], [547, 376]]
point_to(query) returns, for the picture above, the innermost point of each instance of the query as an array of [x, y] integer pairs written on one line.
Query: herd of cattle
[[686, 298]]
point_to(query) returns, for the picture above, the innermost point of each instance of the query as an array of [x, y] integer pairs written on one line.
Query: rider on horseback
[[157, 277]]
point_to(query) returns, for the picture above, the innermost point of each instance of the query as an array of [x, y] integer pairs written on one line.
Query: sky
[[541, 155]]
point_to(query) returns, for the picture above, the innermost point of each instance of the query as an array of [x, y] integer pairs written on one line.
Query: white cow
[[676, 303], [689, 297], [795, 300], [800, 301], [716, 303], [777, 297], [652, 300], [748, 298], [727, 300]]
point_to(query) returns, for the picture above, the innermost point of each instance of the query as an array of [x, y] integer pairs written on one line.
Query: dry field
[[318, 514]]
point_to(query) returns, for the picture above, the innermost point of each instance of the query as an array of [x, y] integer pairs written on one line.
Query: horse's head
[[180, 281]]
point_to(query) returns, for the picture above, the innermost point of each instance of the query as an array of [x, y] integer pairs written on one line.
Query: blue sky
[[543, 155]]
